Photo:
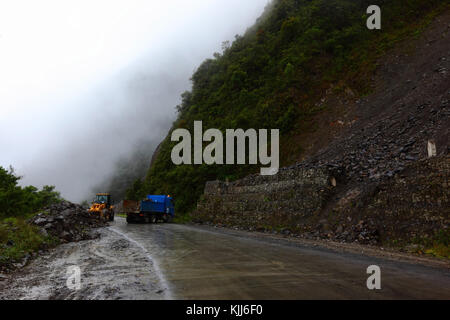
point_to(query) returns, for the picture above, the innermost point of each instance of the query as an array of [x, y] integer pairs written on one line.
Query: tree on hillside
[[136, 191], [18, 201]]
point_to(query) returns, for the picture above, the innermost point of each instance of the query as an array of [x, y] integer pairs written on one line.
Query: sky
[[84, 83]]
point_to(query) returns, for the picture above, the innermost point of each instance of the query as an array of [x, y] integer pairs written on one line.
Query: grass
[[437, 246], [18, 239], [439, 250]]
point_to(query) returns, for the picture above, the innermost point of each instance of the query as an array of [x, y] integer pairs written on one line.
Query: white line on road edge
[[159, 273]]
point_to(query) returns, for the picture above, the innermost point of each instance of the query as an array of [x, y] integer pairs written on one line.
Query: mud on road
[[169, 261], [111, 266]]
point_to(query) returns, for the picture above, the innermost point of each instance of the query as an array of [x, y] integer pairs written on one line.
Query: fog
[[86, 83]]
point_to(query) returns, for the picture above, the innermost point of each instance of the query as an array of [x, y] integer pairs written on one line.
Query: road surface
[[170, 261]]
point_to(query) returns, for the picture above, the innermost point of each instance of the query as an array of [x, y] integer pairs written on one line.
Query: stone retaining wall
[[407, 208], [257, 202]]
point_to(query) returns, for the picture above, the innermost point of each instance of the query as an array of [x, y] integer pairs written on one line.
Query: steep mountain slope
[[297, 69], [375, 182]]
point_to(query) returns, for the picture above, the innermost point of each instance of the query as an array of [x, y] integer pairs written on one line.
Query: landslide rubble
[[67, 221]]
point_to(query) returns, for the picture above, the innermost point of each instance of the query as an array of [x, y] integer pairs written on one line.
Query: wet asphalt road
[[170, 261], [199, 263]]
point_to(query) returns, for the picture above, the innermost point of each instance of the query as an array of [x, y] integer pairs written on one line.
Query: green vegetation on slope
[[274, 75], [16, 201], [17, 238]]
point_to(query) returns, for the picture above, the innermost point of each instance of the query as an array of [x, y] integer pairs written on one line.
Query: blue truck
[[151, 210]]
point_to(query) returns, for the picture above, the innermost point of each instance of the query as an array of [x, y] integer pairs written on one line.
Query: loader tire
[[104, 215], [111, 216]]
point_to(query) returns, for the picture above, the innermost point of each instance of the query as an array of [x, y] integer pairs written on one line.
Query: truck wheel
[[165, 218], [129, 220], [154, 219], [147, 220]]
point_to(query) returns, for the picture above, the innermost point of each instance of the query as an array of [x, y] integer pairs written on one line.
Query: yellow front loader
[[102, 207]]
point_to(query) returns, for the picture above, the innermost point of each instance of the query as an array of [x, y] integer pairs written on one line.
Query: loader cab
[[103, 198]]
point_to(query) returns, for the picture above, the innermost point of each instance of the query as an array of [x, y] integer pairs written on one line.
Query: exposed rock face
[[67, 222], [410, 207]]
